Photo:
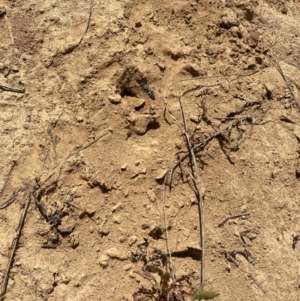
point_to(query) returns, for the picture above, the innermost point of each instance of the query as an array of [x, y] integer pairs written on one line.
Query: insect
[[147, 90]]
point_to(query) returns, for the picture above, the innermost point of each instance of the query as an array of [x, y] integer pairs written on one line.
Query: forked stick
[[196, 181]]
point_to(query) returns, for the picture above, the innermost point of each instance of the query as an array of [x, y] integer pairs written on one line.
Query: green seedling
[[164, 288], [201, 294]]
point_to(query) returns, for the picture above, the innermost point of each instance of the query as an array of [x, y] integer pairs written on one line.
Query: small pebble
[[117, 207], [103, 261], [117, 219], [160, 175], [90, 211], [132, 240], [124, 166], [15, 69], [178, 145], [102, 232], [151, 194], [74, 242], [127, 267], [143, 171], [113, 253], [115, 99], [122, 239]]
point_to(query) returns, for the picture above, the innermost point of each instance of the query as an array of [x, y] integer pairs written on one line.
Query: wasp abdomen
[[148, 91], [151, 94]]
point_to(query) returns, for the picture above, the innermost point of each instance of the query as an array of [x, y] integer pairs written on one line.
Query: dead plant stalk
[[14, 248], [286, 81], [197, 184]]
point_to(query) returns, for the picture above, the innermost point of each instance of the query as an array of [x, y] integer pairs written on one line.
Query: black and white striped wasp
[[133, 90], [147, 90], [131, 81]]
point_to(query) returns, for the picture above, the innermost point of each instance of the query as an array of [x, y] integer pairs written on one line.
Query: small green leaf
[[165, 276], [205, 295], [164, 260]]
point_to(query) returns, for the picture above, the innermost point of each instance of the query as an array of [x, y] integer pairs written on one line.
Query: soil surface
[[92, 150]]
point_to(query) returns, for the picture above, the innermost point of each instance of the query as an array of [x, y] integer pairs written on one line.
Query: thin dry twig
[[235, 117], [77, 150], [286, 81], [11, 89], [167, 234], [29, 288], [292, 64], [167, 111], [221, 224], [219, 76], [12, 198], [197, 147], [199, 87], [259, 285], [14, 248], [87, 23], [56, 121], [14, 163], [196, 180], [287, 119], [53, 140], [71, 47]]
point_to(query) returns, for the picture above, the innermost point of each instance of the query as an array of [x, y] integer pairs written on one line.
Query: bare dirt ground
[[101, 147]]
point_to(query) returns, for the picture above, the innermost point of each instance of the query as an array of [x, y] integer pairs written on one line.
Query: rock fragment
[[103, 261], [113, 253], [124, 166], [252, 40], [151, 195], [122, 239], [132, 240], [229, 19], [67, 226], [140, 123], [2, 11], [270, 90], [127, 267], [160, 176], [115, 99], [138, 103], [74, 240], [117, 207]]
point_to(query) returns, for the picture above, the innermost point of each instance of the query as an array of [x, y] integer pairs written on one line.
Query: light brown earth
[[109, 192]]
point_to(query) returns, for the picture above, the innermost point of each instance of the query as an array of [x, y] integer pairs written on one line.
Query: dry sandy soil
[[102, 148]]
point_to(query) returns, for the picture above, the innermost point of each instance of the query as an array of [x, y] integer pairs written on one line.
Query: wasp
[[147, 90]]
